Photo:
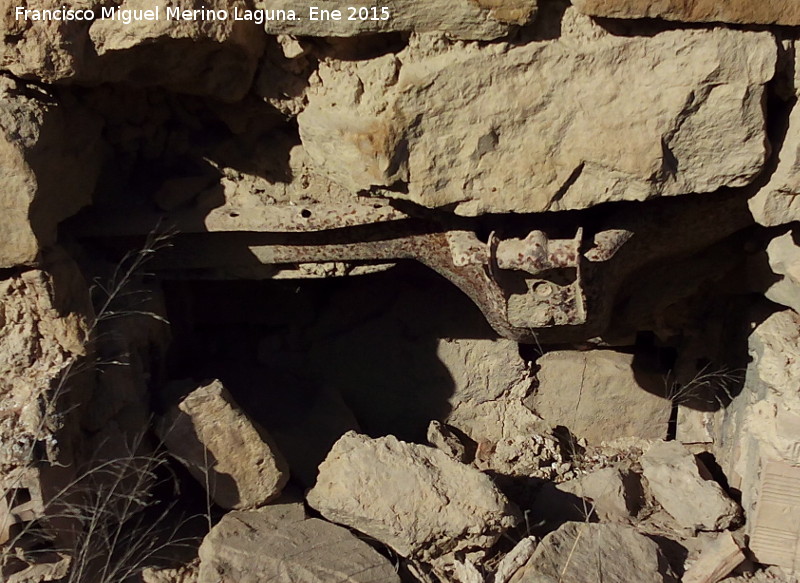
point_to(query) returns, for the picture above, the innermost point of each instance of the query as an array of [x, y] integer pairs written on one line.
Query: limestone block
[[613, 495], [583, 552], [785, 12], [223, 449], [258, 545], [784, 260], [412, 498], [462, 19], [684, 488], [599, 396], [668, 114], [49, 161]]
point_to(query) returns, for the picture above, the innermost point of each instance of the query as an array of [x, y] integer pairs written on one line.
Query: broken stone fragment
[[231, 456], [429, 119], [684, 488], [49, 162], [273, 544], [411, 497], [784, 260], [786, 12], [775, 539], [599, 395], [583, 552], [613, 495], [442, 438], [716, 561], [461, 19], [533, 456]]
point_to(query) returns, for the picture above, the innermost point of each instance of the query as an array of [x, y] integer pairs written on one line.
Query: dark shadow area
[[311, 359]]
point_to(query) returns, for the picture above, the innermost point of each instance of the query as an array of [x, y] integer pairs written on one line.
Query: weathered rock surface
[[600, 396], [534, 456], [462, 19], [613, 494], [221, 61], [784, 260], [785, 12], [411, 497], [684, 488], [582, 552], [48, 167], [279, 544], [778, 201], [223, 449], [716, 561], [430, 118], [762, 423], [41, 339]]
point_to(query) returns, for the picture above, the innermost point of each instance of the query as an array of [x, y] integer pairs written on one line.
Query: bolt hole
[[233, 214], [305, 213]]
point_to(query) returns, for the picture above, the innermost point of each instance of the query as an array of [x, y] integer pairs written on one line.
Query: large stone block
[[411, 497], [230, 455], [49, 161], [560, 124], [462, 19], [599, 395], [734, 11]]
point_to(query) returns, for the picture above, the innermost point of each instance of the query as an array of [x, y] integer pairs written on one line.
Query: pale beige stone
[[49, 161], [716, 561], [412, 498], [462, 19], [684, 488], [40, 342], [265, 545], [221, 60], [784, 260], [600, 396], [775, 538], [612, 495], [786, 12], [583, 552], [602, 118], [230, 455]]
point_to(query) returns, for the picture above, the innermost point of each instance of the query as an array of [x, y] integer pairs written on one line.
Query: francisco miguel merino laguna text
[[259, 16]]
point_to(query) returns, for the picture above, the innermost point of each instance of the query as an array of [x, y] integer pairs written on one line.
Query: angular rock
[[786, 12], [614, 495], [515, 559], [582, 552], [442, 438], [763, 421], [209, 56], [49, 161], [429, 118], [257, 545], [183, 574], [600, 396], [461, 19], [533, 456], [412, 498], [41, 338], [215, 57], [226, 452], [684, 488], [716, 561], [778, 201], [784, 260]]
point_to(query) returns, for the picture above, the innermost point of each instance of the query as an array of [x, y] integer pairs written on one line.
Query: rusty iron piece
[[606, 244], [537, 253], [469, 267]]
